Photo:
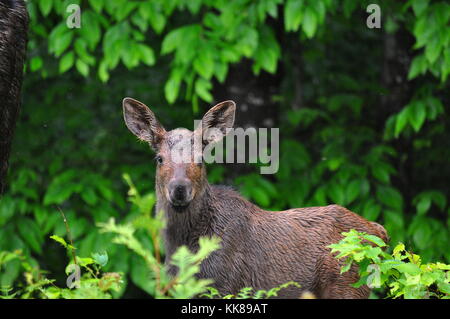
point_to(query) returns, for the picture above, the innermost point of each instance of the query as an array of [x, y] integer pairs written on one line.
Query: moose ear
[[142, 122], [217, 120]]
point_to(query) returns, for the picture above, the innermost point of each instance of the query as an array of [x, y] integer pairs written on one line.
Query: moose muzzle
[[180, 192]]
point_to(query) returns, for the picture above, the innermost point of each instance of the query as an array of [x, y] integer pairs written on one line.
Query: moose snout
[[180, 192]]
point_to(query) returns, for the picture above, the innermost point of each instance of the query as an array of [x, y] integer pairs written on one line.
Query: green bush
[[402, 272], [94, 283]]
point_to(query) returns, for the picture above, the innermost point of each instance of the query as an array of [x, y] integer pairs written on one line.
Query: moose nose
[[180, 192]]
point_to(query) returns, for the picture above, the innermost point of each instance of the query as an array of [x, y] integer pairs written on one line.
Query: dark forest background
[[362, 112]]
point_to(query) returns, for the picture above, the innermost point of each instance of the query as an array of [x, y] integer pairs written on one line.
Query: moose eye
[[158, 159]]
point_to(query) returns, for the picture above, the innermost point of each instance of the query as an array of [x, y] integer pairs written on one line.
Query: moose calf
[[260, 249]]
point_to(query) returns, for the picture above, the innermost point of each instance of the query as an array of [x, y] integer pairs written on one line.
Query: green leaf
[[401, 121], [172, 40], [418, 66], [85, 261], [248, 41], [352, 191], [381, 173], [90, 31], [374, 239], [157, 21], [423, 205], [260, 197], [61, 42], [131, 55], [82, 67], [417, 115], [140, 275], [202, 89], [7, 209], [66, 62], [97, 5], [444, 287], [408, 268], [172, 88], [31, 233], [371, 210], [89, 196], [439, 199], [56, 194], [194, 5], [204, 63], [293, 13], [62, 242], [45, 6], [309, 24], [399, 249], [146, 54], [433, 49], [390, 197], [267, 53], [419, 6], [103, 73], [100, 258], [348, 7], [221, 71], [422, 234], [336, 193], [36, 63]]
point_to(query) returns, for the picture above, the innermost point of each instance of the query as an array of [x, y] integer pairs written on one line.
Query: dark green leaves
[[31, 233], [419, 6], [414, 115], [390, 197], [307, 15], [431, 32]]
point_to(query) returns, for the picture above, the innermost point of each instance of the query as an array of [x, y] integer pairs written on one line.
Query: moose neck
[[184, 225]]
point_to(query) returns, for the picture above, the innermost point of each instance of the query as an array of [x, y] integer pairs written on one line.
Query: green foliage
[[184, 284], [159, 284], [94, 284], [403, 273], [120, 28], [249, 292]]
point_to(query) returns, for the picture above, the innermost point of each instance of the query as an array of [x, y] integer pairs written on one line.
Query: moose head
[[180, 173]]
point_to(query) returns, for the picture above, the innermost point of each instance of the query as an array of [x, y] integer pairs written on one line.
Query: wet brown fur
[[260, 249]]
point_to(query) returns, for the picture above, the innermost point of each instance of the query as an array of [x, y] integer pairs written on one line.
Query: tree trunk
[[13, 41]]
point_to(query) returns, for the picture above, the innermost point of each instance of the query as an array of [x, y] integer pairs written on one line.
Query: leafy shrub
[[95, 284], [184, 284], [249, 292], [402, 272]]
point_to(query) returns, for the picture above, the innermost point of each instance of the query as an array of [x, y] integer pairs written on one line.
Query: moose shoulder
[[260, 249]]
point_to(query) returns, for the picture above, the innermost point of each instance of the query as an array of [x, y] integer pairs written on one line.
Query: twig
[[169, 285], [158, 260], [68, 235]]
